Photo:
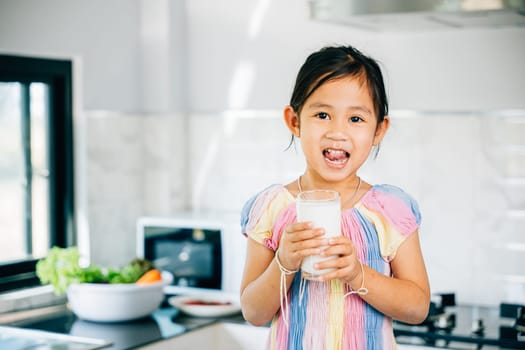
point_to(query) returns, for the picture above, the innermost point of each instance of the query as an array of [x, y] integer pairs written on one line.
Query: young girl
[[338, 110]]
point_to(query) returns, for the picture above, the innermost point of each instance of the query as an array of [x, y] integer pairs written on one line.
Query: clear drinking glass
[[323, 208]]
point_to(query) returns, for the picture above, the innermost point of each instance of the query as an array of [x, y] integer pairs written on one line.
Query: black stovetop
[[466, 327]]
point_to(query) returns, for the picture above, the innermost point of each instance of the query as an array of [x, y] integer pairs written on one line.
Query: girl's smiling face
[[337, 127]]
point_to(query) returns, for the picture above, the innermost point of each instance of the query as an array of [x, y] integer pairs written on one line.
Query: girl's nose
[[336, 131]]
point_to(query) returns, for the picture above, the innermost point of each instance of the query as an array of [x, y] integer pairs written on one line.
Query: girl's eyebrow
[[319, 105], [360, 108]]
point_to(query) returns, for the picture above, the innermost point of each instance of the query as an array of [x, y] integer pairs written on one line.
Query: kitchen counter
[[165, 323], [168, 328]]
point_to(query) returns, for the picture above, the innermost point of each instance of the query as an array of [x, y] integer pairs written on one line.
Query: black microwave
[[195, 250]]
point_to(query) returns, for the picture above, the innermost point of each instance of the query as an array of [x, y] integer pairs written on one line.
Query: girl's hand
[[298, 240], [346, 263]]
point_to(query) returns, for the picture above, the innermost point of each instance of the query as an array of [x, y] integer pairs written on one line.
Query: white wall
[[471, 69], [133, 50], [103, 33]]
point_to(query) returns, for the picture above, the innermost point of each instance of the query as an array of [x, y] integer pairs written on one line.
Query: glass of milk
[[323, 208]]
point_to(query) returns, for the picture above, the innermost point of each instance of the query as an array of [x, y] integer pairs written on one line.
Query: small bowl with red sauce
[[207, 305]]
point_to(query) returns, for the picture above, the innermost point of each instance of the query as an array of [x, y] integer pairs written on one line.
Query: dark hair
[[331, 63]]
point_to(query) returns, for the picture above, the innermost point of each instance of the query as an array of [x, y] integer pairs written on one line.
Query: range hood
[[402, 15]]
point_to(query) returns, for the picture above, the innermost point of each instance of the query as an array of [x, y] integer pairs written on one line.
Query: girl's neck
[[311, 182], [351, 189]]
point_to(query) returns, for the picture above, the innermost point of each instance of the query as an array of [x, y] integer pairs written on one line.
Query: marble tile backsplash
[[135, 166], [466, 170]]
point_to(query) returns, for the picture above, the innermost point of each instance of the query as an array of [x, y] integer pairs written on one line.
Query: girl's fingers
[[309, 246], [300, 226], [337, 274], [314, 234], [339, 240], [339, 246], [344, 269], [335, 263], [293, 234], [339, 250]]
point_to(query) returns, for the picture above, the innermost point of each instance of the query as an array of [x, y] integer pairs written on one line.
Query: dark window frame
[[57, 74]]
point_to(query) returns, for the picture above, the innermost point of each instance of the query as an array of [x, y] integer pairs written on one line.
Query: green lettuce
[[61, 268]]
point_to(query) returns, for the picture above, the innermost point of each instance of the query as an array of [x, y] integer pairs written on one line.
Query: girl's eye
[[355, 119], [322, 115]]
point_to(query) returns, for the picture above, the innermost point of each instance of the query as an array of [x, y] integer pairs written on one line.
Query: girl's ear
[[381, 130], [292, 121]]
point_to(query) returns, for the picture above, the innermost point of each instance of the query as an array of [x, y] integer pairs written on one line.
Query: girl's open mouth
[[336, 157]]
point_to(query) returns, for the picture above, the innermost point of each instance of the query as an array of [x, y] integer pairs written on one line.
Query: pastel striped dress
[[324, 319]]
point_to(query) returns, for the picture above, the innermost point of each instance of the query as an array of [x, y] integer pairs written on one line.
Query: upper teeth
[[335, 151]]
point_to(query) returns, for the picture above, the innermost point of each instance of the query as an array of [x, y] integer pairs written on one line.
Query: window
[[36, 164]]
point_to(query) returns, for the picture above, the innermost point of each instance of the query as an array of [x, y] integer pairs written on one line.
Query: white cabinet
[[219, 336]]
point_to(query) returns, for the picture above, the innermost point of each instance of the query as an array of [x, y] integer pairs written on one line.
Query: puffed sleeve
[[395, 215], [261, 212]]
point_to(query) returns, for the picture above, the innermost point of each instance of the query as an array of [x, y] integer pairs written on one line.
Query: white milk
[[323, 208]]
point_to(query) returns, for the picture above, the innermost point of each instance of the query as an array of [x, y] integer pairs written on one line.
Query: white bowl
[[207, 305], [116, 302]]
